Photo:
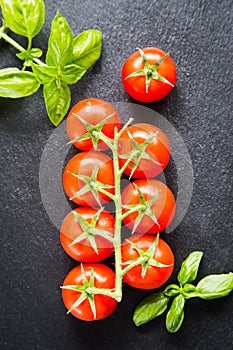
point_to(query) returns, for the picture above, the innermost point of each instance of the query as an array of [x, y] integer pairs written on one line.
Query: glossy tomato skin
[[163, 208], [92, 110], [158, 149], [155, 276], [104, 278], [136, 86], [83, 251], [84, 163]]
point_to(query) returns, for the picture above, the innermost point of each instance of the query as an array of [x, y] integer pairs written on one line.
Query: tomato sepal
[[88, 291], [143, 208], [90, 230], [92, 185], [138, 153], [145, 259], [93, 131], [149, 71]]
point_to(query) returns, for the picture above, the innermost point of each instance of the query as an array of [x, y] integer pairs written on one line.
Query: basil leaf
[[72, 73], [189, 291], [57, 100], [189, 268], [9, 70], [15, 83], [30, 54], [24, 17], [87, 48], [44, 74], [172, 290], [215, 286], [61, 43], [175, 315], [150, 307]]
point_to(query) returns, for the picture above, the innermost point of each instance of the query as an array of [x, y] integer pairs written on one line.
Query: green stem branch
[[108, 194], [130, 266], [17, 46]]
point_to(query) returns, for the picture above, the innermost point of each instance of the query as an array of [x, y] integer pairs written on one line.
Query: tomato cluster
[[87, 233]]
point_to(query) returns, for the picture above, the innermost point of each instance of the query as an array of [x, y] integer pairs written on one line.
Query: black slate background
[[198, 36]]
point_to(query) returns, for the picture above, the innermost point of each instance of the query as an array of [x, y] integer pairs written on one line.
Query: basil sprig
[[210, 287], [67, 57]]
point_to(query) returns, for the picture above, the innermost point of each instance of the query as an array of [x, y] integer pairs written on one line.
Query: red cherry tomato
[[93, 111], [136, 86], [163, 209], [155, 276], [84, 163], [157, 153], [83, 251], [104, 278]]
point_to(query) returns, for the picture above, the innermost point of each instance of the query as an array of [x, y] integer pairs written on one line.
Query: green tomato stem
[[137, 262], [108, 194], [129, 212], [118, 215]]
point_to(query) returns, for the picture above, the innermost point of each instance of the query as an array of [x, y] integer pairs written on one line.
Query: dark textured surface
[[198, 36]]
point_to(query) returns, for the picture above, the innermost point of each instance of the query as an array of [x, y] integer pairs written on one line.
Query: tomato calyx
[[87, 291], [93, 131], [90, 230], [150, 71], [92, 185], [143, 208], [145, 258], [138, 152]]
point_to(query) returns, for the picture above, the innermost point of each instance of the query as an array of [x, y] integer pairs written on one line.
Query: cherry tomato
[[93, 111], [86, 163], [83, 250], [104, 278], [143, 80], [158, 215], [156, 155], [154, 276]]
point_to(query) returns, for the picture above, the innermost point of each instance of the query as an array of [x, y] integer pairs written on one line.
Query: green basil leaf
[[189, 291], [15, 83], [72, 73], [61, 43], [87, 48], [57, 100], [44, 74], [172, 290], [9, 70], [30, 54], [175, 315], [215, 286], [24, 17], [189, 268], [150, 307]]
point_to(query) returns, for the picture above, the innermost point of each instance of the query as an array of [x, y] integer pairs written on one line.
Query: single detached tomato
[[94, 168], [92, 247], [91, 115], [157, 206], [89, 275], [146, 275], [148, 75], [150, 149]]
